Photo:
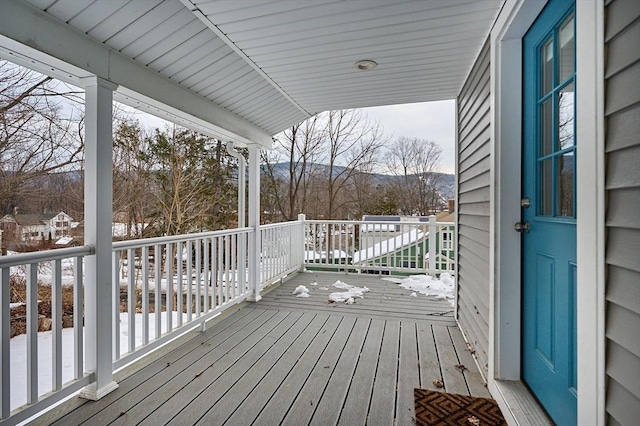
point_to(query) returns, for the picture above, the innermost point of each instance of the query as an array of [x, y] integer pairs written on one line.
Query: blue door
[[548, 212]]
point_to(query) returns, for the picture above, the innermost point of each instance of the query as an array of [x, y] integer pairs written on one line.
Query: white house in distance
[[37, 226]]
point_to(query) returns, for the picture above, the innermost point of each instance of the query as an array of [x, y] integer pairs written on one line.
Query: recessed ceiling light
[[365, 65]]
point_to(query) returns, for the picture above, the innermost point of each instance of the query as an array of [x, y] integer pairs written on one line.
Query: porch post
[[432, 245], [254, 222], [303, 239], [97, 233]]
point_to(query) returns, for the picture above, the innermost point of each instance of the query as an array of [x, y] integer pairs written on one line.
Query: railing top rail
[[375, 222], [147, 242], [279, 224], [45, 255]]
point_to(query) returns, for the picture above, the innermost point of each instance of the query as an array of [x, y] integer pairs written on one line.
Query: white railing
[[165, 286], [281, 250], [33, 371], [162, 288], [380, 246]]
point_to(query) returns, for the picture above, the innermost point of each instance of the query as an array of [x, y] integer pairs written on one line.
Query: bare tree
[[297, 147], [415, 162], [41, 131], [352, 146]]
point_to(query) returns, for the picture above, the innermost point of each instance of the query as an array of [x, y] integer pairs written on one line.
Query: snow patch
[[301, 291], [348, 296], [442, 288]]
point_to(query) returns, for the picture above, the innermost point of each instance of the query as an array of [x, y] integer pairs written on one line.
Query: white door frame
[[505, 266]]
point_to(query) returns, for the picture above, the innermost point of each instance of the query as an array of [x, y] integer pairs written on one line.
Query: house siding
[[622, 250], [474, 119]]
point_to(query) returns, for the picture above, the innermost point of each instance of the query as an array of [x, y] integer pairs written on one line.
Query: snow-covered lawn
[[18, 369], [436, 288]]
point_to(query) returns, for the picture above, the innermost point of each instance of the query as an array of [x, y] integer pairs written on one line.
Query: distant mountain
[[446, 182]]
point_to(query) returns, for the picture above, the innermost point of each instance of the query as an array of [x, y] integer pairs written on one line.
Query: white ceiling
[[273, 63]]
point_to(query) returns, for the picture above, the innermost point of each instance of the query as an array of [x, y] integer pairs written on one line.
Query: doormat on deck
[[441, 408]]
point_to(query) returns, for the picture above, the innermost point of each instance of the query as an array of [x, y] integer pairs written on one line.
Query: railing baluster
[[227, 257], [131, 299], [215, 285], [198, 277], [179, 305], [145, 295], [78, 318], [5, 332], [116, 304], [189, 261], [56, 324], [169, 287], [157, 257], [219, 267], [233, 266], [32, 333], [208, 270]]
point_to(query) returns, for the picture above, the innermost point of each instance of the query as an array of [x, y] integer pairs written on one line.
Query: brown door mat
[[441, 408]]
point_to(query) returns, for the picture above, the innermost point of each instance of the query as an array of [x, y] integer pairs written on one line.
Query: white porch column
[[97, 233], [254, 222]]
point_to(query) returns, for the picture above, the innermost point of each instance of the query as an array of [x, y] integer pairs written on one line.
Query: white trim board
[[68, 54], [504, 311]]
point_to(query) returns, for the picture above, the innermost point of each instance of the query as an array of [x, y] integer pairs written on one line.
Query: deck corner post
[[433, 230], [98, 207], [303, 238], [254, 260]]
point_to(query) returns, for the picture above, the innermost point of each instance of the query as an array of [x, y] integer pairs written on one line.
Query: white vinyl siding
[[622, 255], [474, 115]]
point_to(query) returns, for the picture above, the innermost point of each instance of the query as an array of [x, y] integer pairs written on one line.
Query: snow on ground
[[442, 288], [301, 291], [18, 355], [348, 296]]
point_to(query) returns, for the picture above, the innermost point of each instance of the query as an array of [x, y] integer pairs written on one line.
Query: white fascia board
[[41, 42]]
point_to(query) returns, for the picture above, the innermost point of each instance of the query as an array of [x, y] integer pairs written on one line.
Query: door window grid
[[556, 124]]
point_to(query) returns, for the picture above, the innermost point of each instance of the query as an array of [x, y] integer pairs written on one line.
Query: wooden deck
[[294, 361]]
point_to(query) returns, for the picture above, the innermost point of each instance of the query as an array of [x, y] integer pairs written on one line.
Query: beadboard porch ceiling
[[273, 63]]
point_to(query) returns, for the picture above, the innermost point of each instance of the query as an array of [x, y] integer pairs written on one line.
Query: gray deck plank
[[356, 406], [197, 374], [328, 408], [382, 410], [265, 363], [471, 374], [230, 383], [204, 395], [299, 335], [287, 394], [454, 381], [429, 364], [301, 411], [407, 377], [312, 342], [158, 369]]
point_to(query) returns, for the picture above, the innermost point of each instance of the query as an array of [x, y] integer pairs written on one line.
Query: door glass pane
[[566, 49], [547, 67], [564, 180], [546, 127], [566, 116], [546, 188]]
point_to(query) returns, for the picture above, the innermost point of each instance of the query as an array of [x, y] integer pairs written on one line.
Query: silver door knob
[[522, 227]]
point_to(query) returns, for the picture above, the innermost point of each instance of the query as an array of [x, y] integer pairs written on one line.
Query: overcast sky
[[429, 120]]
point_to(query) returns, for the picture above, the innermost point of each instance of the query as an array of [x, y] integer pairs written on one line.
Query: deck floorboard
[[294, 361]]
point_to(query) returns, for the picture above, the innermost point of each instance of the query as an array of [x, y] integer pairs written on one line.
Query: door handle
[[522, 227]]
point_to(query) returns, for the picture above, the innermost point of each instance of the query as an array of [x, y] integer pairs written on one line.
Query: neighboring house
[[37, 226], [401, 245]]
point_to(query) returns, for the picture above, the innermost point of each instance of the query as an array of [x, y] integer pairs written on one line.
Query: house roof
[[389, 245], [246, 70]]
